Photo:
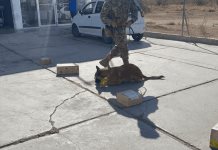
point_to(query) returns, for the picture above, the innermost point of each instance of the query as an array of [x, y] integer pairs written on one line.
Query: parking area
[[177, 113]]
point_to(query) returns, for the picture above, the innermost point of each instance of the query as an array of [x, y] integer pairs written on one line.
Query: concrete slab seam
[[186, 61], [174, 92], [184, 89], [11, 50], [209, 51], [154, 126], [87, 120], [148, 50], [38, 64], [51, 132], [151, 124], [178, 61]]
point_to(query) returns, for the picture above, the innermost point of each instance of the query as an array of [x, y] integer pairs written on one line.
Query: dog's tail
[[154, 78]]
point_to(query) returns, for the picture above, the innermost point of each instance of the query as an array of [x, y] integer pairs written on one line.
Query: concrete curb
[[182, 38]]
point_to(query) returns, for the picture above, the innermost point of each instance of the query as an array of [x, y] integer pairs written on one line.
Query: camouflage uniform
[[115, 14]]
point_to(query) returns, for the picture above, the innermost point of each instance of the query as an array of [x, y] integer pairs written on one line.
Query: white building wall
[[16, 13]]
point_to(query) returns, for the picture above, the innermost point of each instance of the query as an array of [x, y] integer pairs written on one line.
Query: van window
[[99, 7], [88, 9]]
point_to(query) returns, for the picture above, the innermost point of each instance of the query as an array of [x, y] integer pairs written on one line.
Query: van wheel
[[75, 30], [137, 37], [106, 39]]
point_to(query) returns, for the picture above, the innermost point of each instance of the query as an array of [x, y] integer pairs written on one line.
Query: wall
[[16, 12]]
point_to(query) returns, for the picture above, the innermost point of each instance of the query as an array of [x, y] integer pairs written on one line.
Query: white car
[[88, 21], [64, 13]]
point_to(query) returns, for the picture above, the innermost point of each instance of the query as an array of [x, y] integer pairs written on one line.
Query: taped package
[[45, 61], [67, 69], [129, 98]]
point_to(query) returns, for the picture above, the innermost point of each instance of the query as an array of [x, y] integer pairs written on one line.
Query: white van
[[88, 21]]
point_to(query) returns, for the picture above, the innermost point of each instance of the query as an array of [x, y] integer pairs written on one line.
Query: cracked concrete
[[177, 113], [51, 121]]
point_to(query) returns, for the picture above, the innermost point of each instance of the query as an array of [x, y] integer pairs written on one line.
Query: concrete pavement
[[177, 113]]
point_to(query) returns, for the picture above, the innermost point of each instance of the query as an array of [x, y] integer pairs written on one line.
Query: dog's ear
[[98, 69]]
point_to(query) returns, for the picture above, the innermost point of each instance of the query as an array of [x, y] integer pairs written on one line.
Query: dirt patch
[[202, 20]]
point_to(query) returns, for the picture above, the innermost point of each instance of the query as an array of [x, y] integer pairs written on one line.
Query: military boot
[[105, 62]]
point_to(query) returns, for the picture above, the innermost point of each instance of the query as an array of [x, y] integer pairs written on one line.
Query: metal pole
[[183, 17]]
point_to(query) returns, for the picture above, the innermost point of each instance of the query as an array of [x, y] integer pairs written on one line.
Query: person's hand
[[129, 23]]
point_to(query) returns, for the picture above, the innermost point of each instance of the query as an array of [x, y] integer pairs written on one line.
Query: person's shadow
[[139, 112]]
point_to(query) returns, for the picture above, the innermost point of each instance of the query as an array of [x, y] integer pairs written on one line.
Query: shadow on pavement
[[6, 30], [132, 45], [119, 88], [55, 43], [145, 130]]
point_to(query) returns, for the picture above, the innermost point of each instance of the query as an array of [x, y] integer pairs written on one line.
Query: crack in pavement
[[51, 121]]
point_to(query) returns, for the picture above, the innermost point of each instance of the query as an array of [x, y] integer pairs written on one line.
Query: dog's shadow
[[119, 88], [139, 112]]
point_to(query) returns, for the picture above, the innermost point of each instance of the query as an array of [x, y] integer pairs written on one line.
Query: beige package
[[129, 98], [214, 137], [45, 61], [67, 69]]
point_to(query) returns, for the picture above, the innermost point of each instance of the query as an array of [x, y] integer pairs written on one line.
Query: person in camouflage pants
[[114, 14]]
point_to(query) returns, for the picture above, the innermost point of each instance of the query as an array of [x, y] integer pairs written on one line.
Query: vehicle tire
[[75, 30], [137, 37], [106, 39]]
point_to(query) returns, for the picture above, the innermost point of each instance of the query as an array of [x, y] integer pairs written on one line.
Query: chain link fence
[[196, 18]]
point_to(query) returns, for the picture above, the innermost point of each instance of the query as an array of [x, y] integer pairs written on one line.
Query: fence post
[[183, 17]]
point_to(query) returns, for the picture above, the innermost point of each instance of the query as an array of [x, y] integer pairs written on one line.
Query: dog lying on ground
[[121, 74]]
